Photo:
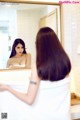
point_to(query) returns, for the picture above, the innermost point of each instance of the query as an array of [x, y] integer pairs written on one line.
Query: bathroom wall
[[28, 25], [71, 40]]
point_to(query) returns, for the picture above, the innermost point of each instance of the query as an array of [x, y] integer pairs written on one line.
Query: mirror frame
[[43, 3]]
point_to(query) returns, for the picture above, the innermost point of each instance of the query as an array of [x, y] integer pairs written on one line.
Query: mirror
[[23, 20]]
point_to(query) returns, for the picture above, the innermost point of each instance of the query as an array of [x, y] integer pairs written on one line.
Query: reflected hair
[[16, 42], [52, 61]]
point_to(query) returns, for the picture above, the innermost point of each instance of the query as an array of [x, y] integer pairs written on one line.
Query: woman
[[51, 72], [19, 58]]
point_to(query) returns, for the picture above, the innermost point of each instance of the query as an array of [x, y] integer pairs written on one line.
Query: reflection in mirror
[[19, 20]]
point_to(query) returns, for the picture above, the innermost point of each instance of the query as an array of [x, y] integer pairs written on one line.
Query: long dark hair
[[51, 60], [16, 42]]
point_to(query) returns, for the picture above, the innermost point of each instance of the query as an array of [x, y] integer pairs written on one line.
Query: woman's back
[[52, 101], [48, 92]]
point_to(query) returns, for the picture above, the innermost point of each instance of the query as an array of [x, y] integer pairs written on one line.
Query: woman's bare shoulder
[[27, 54], [11, 59], [34, 74]]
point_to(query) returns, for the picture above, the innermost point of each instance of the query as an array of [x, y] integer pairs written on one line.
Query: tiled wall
[[71, 18], [75, 39]]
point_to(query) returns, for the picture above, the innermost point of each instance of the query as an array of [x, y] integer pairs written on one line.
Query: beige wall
[[27, 27], [71, 39]]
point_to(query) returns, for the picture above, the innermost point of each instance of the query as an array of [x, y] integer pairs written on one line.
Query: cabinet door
[[50, 20]]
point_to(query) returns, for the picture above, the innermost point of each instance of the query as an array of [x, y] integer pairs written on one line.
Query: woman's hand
[[3, 87]]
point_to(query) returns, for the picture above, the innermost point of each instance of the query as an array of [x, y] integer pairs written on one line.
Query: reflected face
[[19, 49]]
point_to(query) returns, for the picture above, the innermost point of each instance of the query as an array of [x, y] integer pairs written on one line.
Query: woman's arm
[[28, 61], [30, 96]]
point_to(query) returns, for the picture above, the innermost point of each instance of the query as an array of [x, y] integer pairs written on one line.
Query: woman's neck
[[17, 55]]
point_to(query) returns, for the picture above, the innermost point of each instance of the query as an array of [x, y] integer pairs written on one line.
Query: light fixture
[[9, 3]]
